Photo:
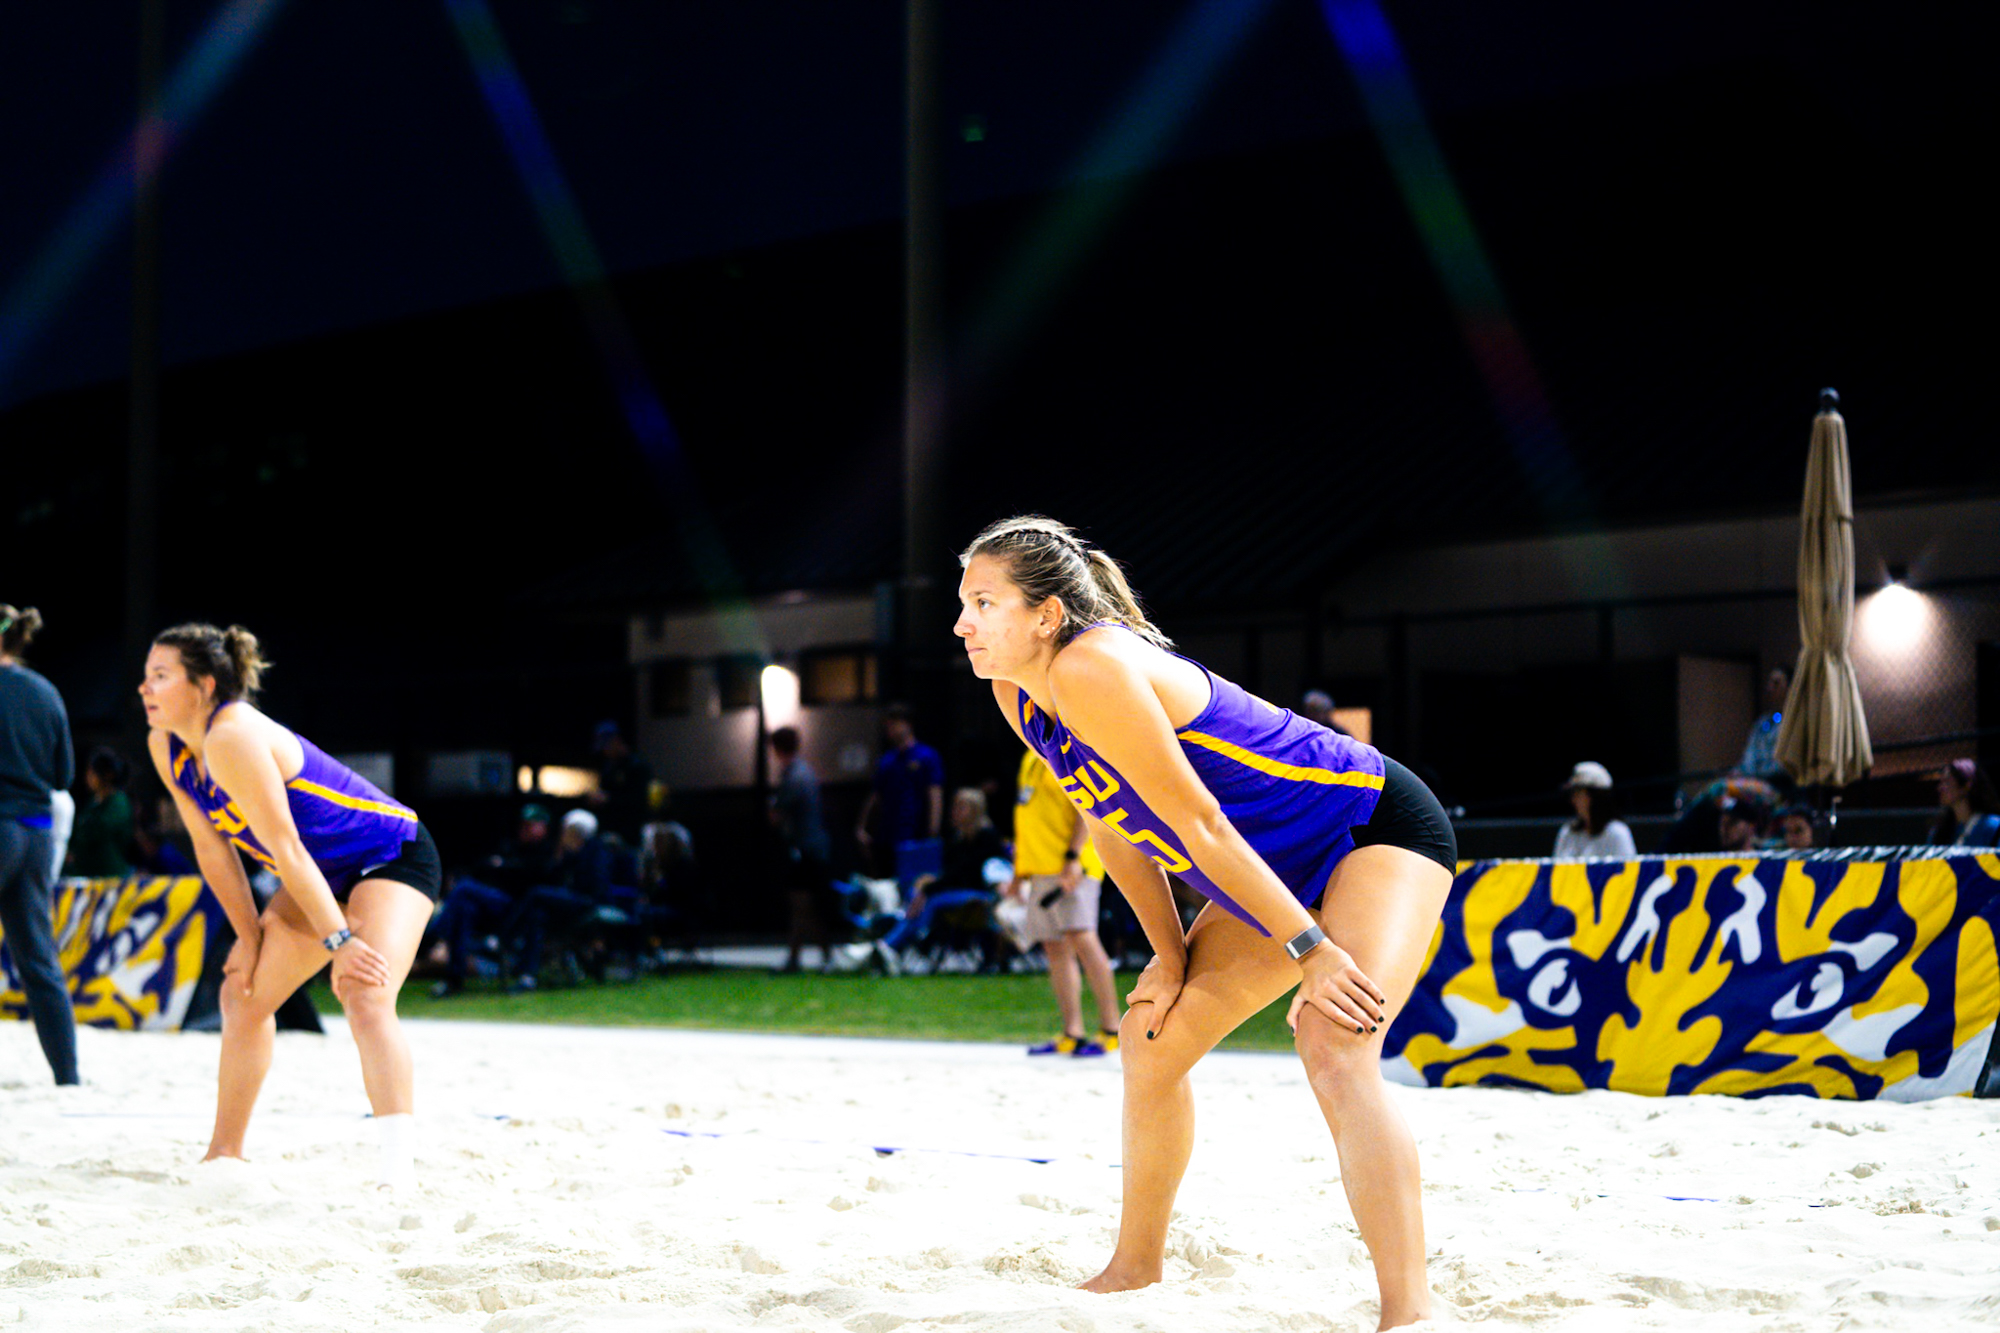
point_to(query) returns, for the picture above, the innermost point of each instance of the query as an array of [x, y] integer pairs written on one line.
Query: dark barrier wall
[[1859, 973], [134, 950]]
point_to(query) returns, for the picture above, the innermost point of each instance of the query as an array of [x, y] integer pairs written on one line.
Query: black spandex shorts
[[1409, 816], [417, 865]]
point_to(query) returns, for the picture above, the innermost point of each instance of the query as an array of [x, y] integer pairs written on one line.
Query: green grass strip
[[1014, 1009]]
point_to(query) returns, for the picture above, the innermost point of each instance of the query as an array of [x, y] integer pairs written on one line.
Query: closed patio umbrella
[[1823, 740]]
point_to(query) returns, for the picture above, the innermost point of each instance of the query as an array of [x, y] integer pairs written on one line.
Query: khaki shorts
[[1075, 910]]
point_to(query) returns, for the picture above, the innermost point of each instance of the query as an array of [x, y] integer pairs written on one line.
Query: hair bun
[[18, 626], [241, 645]]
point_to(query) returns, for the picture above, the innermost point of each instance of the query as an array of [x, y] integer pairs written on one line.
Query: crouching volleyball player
[[359, 876], [1326, 865]]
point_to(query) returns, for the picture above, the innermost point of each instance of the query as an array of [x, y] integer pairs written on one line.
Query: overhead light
[[561, 780], [1894, 620], [780, 687]]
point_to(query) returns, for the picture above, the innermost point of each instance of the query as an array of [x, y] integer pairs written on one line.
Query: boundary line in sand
[[881, 1151]]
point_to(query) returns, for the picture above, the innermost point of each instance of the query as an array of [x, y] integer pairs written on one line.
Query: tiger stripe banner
[[1854, 974], [134, 950]]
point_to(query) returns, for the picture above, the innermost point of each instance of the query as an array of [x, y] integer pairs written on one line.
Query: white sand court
[[583, 1179]]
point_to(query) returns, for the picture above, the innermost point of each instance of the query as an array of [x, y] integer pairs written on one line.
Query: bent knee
[[369, 1006], [1336, 1060], [1162, 1058], [240, 1008]]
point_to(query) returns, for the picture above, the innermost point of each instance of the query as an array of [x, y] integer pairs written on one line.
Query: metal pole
[[143, 423], [924, 357]]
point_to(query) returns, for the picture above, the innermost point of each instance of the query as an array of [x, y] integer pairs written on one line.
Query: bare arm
[[1112, 697], [221, 867], [1145, 887], [936, 806], [240, 760], [1108, 698], [861, 820]]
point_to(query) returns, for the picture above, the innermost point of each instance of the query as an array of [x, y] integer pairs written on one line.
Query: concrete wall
[[1915, 663], [710, 747]]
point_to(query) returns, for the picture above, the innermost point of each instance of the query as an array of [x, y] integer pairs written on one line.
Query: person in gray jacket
[[36, 760]]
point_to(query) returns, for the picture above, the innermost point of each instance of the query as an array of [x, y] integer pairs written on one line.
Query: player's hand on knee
[[356, 963], [1159, 986], [242, 961], [1340, 990]]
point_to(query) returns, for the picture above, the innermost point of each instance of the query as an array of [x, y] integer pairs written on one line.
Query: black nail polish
[[1149, 1036]]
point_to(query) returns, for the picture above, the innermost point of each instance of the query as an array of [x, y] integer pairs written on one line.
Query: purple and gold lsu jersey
[[345, 822], [1295, 790]]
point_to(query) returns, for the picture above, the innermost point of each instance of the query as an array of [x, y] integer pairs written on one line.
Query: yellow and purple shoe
[[1107, 1039], [1063, 1045]]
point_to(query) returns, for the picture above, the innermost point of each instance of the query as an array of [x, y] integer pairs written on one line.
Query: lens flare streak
[[576, 255], [1445, 225], [37, 295], [1165, 99]]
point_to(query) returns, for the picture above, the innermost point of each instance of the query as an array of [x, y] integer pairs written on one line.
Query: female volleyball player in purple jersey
[[359, 875], [1326, 863]]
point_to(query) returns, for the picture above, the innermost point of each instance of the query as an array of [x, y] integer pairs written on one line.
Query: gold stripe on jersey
[[1290, 772], [351, 802]]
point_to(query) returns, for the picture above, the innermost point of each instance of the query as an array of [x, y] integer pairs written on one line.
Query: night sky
[[1206, 275]]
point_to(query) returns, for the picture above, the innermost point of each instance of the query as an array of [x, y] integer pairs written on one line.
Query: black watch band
[[1303, 943]]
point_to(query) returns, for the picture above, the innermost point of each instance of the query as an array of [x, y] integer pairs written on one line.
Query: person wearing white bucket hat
[[1596, 830]]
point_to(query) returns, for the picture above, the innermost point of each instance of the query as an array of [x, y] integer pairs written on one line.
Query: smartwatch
[[343, 935], [1303, 943]]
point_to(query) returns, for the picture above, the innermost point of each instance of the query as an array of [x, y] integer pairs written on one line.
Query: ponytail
[[1109, 577], [228, 657], [1047, 559], [241, 645], [18, 628]]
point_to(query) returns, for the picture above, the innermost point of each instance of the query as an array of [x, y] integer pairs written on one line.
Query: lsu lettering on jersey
[[1295, 790], [345, 821], [1044, 822]]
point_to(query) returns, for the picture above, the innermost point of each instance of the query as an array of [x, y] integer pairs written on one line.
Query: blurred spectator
[[160, 841], [36, 762], [907, 803], [1317, 706], [101, 847], [1596, 830], [1741, 821], [1968, 807], [1695, 829], [624, 784], [1057, 873], [1798, 828], [673, 898], [580, 878], [1760, 751], [475, 908], [666, 859], [973, 842], [803, 848]]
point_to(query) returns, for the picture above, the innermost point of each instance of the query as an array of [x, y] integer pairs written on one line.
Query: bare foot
[[214, 1153], [1119, 1277], [1406, 1320]]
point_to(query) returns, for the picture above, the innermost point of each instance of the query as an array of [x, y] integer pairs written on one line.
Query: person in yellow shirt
[[1057, 873]]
